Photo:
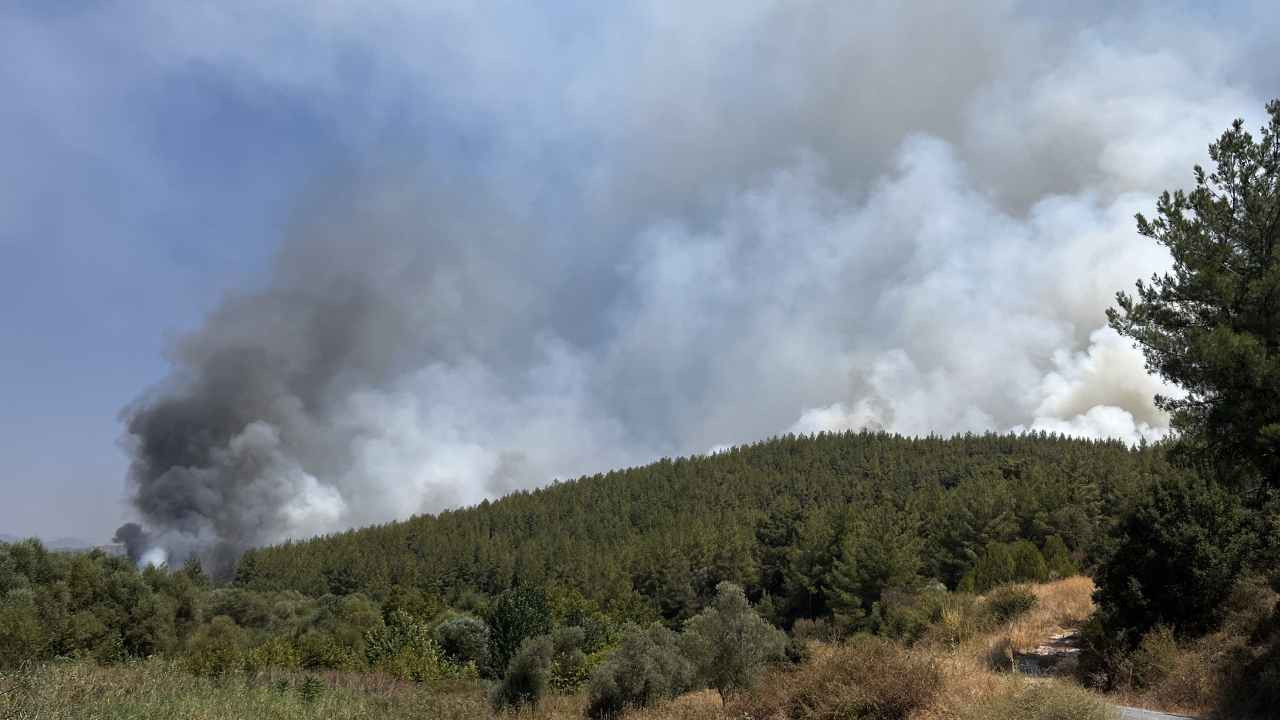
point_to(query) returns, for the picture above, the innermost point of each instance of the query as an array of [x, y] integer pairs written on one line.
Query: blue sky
[[698, 226]]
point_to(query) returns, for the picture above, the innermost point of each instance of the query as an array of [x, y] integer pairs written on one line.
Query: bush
[[403, 648], [1042, 702], [999, 654], [319, 650], [570, 665], [729, 643], [22, 638], [526, 678], [1155, 657], [1008, 602], [821, 629], [647, 667], [1058, 558], [513, 617], [954, 618], [797, 651], [1172, 561], [276, 651], [1003, 563], [216, 649], [869, 678], [464, 639]]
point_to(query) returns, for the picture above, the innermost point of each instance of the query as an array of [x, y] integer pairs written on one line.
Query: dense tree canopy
[[809, 521], [1212, 323]]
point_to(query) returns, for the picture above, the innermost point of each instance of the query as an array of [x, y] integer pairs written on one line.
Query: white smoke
[[684, 229]]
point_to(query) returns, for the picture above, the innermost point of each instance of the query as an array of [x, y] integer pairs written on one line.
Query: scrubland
[[946, 674]]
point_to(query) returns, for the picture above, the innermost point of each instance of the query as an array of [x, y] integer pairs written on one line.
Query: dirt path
[[1059, 655]]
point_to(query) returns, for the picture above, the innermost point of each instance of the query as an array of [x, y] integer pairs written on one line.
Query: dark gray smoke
[[683, 229], [136, 541]]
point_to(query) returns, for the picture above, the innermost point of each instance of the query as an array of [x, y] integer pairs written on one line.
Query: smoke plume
[[672, 231]]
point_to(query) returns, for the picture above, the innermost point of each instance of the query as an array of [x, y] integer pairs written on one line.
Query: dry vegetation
[[944, 677], [1233, 672]]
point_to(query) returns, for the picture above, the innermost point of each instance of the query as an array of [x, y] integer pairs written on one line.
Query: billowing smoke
[[674, 230]]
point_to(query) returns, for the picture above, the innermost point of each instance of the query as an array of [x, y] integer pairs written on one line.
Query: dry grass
[[867, 678], [1061, 606]]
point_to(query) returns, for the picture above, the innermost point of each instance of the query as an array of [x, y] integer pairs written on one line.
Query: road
[[1128, 713]]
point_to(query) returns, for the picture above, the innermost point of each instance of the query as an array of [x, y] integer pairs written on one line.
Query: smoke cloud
[[673, 230]]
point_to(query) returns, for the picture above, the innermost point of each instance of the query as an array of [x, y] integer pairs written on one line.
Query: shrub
[[1253, 690], [1003, 563], [1058, 558], [403, 648], [277, 651], [1173, 561], [647, 667], [1042, 702], [464, 639], [526, 677], [1008, 602], [22, 637], [797, 651], [820, 629], [1155, 657], [570, 666], [729, 643], [513, 617], [954, 618], [216, 649], [999, 655], [869, 678], [320, 650], [311, 689]]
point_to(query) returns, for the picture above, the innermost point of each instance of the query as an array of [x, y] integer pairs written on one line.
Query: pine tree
[[1212, 324]]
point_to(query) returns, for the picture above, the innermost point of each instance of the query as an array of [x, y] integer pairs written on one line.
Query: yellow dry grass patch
[[969, 680], [1061, 606]]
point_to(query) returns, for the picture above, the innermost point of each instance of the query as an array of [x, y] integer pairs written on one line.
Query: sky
[[268, 270]]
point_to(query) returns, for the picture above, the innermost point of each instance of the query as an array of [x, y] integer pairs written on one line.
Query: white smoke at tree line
[[851, 239]]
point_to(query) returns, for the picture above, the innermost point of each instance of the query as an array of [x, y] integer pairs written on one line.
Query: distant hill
[[62, 544], [772, 516]]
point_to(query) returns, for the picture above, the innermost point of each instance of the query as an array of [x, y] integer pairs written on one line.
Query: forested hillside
[[783, 518]]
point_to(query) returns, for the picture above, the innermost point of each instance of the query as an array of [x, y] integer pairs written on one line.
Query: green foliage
[[639, 543], [880, 550], [463, 639], [515, 616], [1058, 558], [1209, 324], [275, 652], [403, 648], [570, 665], [1173, 561], [729, 643], [1008, 602], [797, 651], [320, 650], [22, 637], [1154, 656], [217, 649], [527, 675], [648, 666], [311, 689], [1003, 563]]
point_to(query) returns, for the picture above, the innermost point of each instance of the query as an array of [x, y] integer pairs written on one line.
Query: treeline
[[819, 531], [810, 526]]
